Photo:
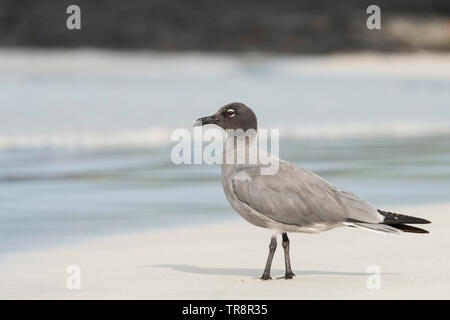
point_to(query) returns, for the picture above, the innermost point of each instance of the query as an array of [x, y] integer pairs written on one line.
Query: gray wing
[[297, 196]]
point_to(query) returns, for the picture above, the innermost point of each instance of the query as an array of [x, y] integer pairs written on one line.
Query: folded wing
[[297, 196]]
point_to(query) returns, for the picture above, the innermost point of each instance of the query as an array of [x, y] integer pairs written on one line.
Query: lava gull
[[292, 199]]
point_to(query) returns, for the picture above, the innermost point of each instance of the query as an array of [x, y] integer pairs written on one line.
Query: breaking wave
[[153, 137]]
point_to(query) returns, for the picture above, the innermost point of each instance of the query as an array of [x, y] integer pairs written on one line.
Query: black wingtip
[[409, 229], [395, 218]]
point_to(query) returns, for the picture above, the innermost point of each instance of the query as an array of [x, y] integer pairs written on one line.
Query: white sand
[[225, 261]]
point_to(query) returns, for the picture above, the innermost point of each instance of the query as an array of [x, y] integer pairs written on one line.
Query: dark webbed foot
[[266, 277], [289, 275]]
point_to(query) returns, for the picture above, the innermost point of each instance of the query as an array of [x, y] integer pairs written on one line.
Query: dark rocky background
[[300, 26]]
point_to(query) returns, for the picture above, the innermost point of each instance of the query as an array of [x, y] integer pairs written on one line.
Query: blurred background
[[86, 115]]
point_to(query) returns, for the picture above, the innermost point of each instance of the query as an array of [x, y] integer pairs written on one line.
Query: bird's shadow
[[250, 272]]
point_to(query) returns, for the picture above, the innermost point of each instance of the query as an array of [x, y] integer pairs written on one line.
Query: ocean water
[[85, 135]]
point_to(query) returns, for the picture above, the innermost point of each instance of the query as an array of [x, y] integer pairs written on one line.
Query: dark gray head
[[234, 116]]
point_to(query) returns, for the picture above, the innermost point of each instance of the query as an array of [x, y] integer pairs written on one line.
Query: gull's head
[[232, 116]]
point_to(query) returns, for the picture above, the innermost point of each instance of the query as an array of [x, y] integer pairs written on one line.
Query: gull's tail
[[393, 223]]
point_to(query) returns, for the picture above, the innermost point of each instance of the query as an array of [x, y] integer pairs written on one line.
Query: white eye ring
[[231, 113]]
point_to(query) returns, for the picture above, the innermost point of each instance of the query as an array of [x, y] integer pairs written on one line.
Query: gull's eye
[[231, 113]]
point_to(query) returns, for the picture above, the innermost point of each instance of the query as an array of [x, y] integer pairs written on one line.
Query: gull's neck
[[239, 144]]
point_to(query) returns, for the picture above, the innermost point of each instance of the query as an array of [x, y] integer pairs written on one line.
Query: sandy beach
[[224, 261], [111, 189]]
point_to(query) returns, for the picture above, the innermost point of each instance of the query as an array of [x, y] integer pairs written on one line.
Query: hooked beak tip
[[205, 120]]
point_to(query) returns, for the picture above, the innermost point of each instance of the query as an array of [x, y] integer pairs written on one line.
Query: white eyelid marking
[[231, 113]]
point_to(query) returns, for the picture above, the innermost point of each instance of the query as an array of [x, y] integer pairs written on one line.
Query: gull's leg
[[272, 247], [287, 261]]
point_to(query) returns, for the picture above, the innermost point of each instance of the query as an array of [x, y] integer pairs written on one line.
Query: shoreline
[[224, 261], [19, 62]]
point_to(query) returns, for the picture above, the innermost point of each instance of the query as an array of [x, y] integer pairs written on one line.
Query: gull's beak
[[205, 120]]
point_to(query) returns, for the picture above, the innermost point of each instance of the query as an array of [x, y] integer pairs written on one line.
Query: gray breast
[[231, 174]]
